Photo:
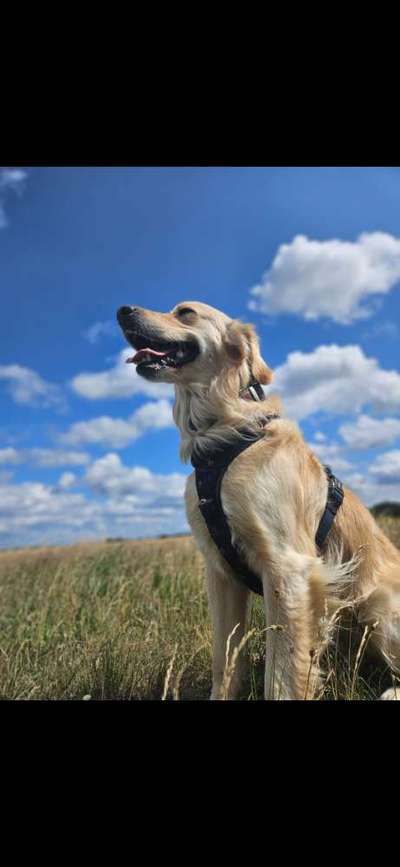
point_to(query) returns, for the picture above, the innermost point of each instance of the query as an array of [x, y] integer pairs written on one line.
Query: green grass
[[103, 620], [123, 620]]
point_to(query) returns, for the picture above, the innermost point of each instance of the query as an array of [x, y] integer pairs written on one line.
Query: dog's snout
[[125, 311], [126, 315]]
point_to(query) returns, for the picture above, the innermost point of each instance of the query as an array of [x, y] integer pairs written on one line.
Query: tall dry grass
[[130, 620]]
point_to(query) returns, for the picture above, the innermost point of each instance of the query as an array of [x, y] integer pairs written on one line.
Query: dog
[[273, 495]]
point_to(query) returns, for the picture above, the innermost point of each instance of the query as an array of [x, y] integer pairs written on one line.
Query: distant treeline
[[144, 538], [386, 509]]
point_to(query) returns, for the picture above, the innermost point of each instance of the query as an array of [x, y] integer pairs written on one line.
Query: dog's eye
[[184, 310]]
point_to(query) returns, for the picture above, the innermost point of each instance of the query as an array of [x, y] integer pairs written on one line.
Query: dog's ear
[[242, 344], [235, 342]]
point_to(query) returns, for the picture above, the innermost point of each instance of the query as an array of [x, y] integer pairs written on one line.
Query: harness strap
[[210, 471], [209, 477], [334, 501]]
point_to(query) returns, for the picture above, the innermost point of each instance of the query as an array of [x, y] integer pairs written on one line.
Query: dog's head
[[193, 343]]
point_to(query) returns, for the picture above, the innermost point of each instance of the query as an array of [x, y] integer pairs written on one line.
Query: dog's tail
[[332, 585], [338, 576]]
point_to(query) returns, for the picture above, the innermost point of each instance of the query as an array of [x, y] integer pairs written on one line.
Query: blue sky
[[311, 256]]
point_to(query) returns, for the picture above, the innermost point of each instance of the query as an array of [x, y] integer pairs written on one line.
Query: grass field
[[123, 620]]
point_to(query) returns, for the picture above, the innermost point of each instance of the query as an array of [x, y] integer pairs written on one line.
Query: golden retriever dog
[[273, 495]]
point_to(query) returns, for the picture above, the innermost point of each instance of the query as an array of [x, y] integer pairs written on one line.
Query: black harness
[[210, 469]]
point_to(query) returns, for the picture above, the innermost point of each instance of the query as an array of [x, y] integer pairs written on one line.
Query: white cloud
[[66, 480], [108, 328], [109, 475], [9, 456], [124, 502], [33, 504], [386, 468], [382, 329], [10, 179], [26, 387], [118, 432], [329, 278], [44, 457], [369, 432], [371, 490], [119, 381], [58, 458], [335, 379], [380, 482], [331, 454]]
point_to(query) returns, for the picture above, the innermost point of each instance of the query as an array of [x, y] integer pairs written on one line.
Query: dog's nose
[[125, 314], [125, 311]]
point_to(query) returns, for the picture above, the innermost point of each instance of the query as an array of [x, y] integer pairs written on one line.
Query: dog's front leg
[[291, 669], [228, 604]]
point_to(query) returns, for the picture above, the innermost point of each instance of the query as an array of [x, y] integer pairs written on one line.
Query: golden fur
[[274, 494]]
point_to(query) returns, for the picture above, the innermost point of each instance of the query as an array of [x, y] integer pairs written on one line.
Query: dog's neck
[[206, 416]]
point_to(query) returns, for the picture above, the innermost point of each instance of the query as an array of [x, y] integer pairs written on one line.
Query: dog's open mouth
[[158, 355]]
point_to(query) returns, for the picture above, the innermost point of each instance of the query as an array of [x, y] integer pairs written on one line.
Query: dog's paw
[[392, 694]]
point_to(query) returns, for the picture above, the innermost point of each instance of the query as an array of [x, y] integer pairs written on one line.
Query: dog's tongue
[[135, 359]]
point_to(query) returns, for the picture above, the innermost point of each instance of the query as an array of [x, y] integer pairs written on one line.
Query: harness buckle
[[336, 489], [253, 392]]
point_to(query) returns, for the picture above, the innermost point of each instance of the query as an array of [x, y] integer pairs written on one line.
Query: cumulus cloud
[[337, 380], [334, 278], [382, 329], [26, 387], [386, 468], [10, 180], [331, 454], [371, 490], [44, 457], [33, 504], [123, 502], [117, 432], [66, 480], [381, 481], [108, 328], [119, 381], [367, 432], [9, 456], [58, 458], [108, 475]]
